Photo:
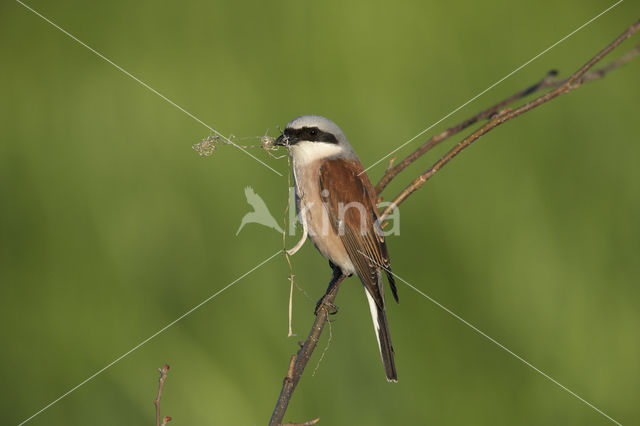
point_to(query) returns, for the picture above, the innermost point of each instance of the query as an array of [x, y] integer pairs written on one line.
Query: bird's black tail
[[381, 327]]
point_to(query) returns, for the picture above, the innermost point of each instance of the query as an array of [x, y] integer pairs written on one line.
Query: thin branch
[[392, 171], [496, 116], [299, 361], [599, 73], [163, 376], [568, 85], [547, 82]]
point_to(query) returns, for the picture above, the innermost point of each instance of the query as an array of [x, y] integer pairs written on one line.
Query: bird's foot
[[330, 307]]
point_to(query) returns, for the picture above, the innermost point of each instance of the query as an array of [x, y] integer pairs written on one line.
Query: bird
[[260, 213], [337, 207]]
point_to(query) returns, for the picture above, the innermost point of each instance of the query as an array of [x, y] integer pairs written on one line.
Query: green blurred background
[[112, 226]]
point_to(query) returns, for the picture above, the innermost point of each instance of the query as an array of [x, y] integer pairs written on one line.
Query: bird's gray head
[[314, 136]]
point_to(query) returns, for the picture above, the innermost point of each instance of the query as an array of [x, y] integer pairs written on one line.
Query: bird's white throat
[[304, 152]]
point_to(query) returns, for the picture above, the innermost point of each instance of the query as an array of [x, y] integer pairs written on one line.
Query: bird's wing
[[350, 201]]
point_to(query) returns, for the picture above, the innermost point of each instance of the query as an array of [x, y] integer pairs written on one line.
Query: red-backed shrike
[[337, 207]]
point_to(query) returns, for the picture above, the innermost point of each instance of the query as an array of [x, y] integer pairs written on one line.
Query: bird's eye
[[314, 132]]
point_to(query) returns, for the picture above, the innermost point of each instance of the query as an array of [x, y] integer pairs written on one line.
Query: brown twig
[[299, 361], [496, 116], [163, 376], [573, 82], [547, 82], [393, 171]]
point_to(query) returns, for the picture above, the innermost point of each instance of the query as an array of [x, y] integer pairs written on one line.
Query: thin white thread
[[494, 84], [127, 73], [147, 339], [491, 339]]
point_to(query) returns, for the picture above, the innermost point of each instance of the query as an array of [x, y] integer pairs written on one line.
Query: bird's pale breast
[[311, 209]]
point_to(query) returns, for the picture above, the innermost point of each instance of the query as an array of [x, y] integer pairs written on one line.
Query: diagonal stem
[[573, 82], [299, 361], [547, 82]]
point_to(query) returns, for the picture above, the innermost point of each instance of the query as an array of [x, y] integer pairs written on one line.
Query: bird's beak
[[282, 140]]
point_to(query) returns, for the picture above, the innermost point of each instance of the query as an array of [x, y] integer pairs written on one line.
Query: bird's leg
[[330, 294]]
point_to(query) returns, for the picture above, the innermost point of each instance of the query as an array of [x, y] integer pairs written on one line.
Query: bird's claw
[[330, 307]]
